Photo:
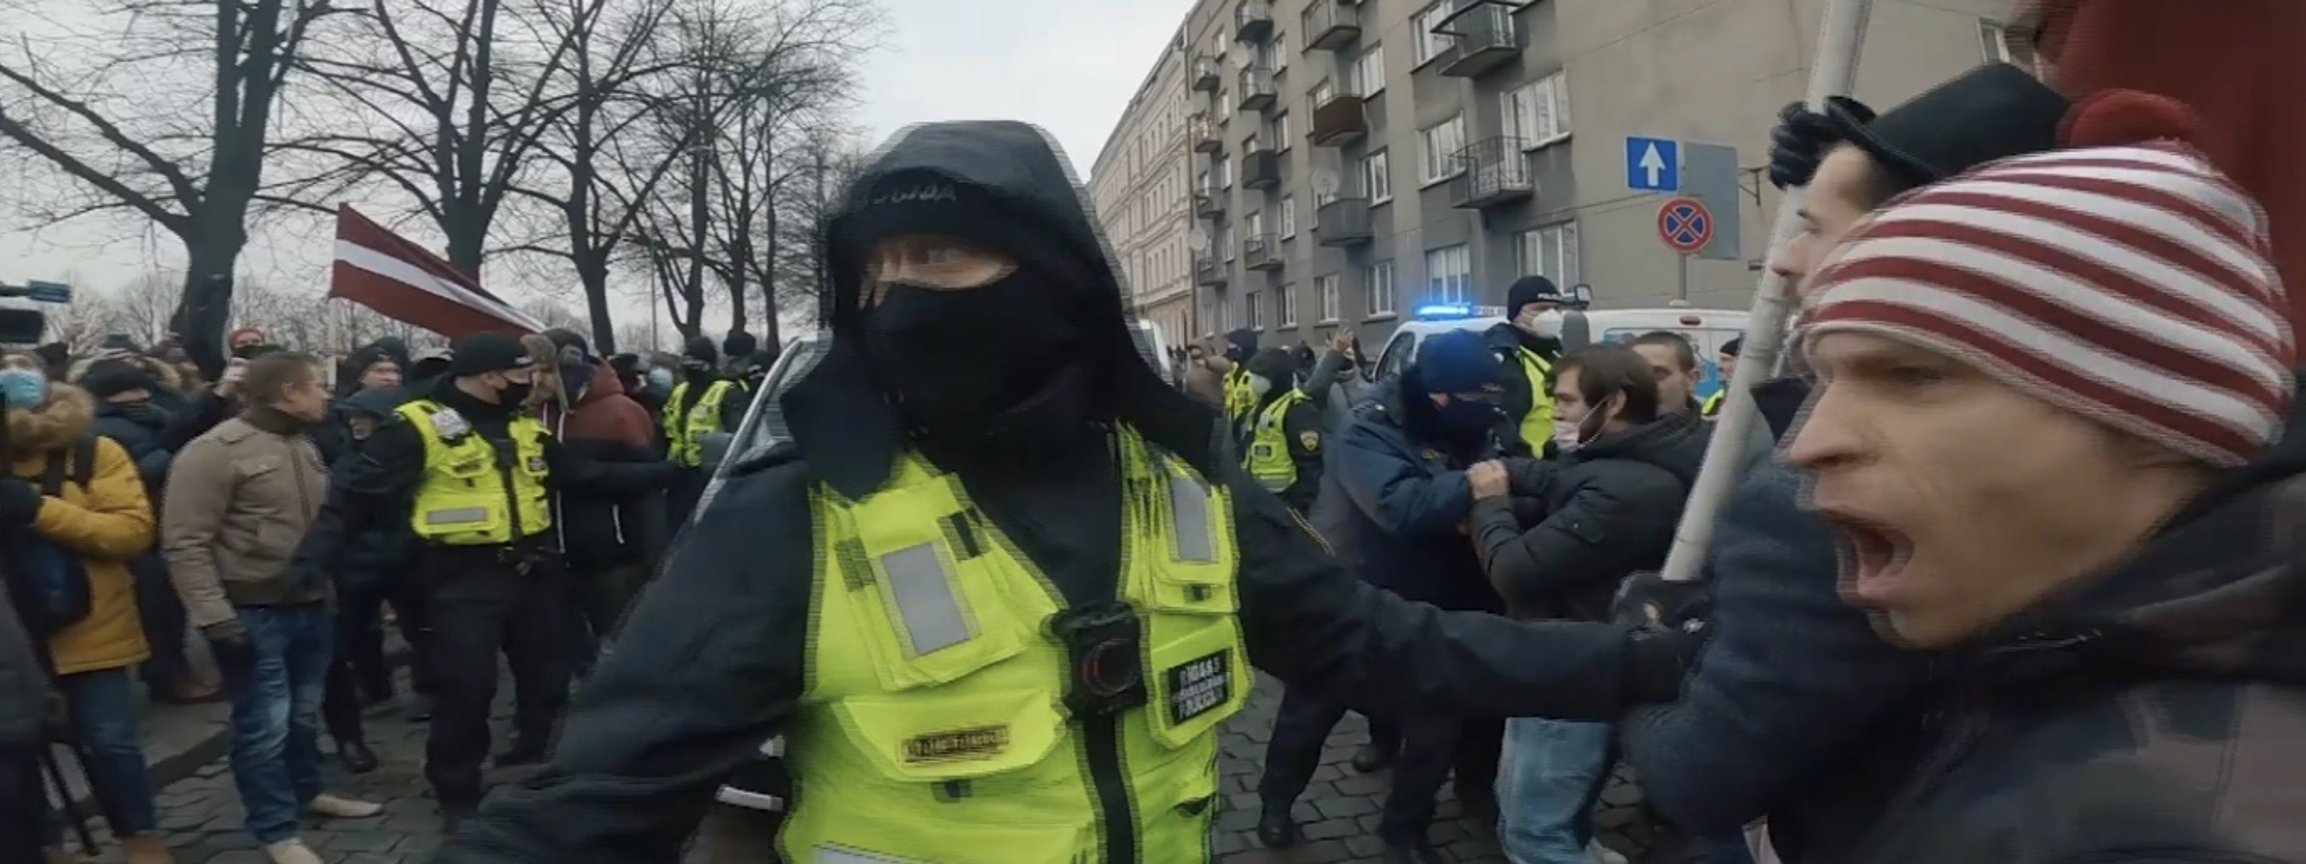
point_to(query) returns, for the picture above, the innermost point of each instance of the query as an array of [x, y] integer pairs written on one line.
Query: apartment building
[[1138, 188], [1351, 160]]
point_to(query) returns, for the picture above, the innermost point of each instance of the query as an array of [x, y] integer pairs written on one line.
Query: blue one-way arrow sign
[[1652, 164]]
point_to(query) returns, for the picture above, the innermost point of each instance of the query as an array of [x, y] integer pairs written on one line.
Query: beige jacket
[[239, 500]]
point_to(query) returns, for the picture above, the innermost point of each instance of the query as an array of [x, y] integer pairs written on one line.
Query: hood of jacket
[[1674, 442], [378, 401], [848, 441], [55, 424]]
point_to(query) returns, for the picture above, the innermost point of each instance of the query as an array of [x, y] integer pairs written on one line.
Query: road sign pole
[[1832, 73], [1683, 291]]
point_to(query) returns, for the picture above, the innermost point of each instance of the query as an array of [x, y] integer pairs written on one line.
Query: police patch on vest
[[1198, 686], [536, 465], [980, 742]]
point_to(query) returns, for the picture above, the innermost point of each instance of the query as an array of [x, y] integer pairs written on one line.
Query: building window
[[1448, 275], [1277, 53], [1376, 179], [1429, 43], [1537, 112], [1369, 72], [1288, 216], [1223, 169], [1252, 305], [1225, 241], [1438, 144], [1325, 291], [1224, 106], [1285, 305], [1279, 131], [2000, 48], [1550, 252], [1377, 283]]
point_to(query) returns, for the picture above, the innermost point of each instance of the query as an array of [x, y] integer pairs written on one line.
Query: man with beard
[[703, 402], [1527, 345], [1002, 587]]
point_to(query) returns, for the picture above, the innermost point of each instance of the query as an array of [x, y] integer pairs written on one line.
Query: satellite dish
[[1198, 241], [1325, 182], [1239, 54]]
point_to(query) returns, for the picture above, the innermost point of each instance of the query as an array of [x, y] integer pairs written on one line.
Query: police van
[[1706, 329]]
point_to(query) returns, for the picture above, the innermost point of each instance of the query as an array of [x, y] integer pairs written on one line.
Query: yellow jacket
[[106, 524]]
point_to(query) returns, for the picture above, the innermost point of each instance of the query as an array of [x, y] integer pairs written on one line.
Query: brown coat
[[105, 524], [239, 500]]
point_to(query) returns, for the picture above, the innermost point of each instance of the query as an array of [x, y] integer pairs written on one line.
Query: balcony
[[1482, 36], [1208, 271], [1253, 22], [1209, 203], [1330, 25], [1491, 172], [1256, 89], [1261, 252], [1344, 222], [1207, 75], [1260, 166], [1339, 119], [1203, 133]]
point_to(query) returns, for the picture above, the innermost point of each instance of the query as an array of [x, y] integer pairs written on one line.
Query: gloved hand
[[1647, 600], [228, 641], [19, 501], [1802, 138]]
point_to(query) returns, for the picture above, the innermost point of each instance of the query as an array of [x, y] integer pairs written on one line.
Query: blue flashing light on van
[[1444, 311]]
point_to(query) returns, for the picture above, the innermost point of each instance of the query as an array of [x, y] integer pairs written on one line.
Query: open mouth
[[1873, 553]]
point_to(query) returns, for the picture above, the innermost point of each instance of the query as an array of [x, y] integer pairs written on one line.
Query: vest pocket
[[1197, 674], [1197, 578], [876, 838], [957, 736]]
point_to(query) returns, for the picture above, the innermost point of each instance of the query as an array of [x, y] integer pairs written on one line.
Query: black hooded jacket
[[1609, 509], [713, 656]]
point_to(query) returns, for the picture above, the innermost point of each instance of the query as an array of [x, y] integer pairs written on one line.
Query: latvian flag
[[407, 283]]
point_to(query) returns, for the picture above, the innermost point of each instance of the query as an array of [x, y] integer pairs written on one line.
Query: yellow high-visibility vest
[[1268, 459], [466, 498], [1240, 398], [1537, 425], [685, 431]]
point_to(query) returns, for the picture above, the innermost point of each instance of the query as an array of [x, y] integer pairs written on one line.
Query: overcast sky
[[1068, 65]]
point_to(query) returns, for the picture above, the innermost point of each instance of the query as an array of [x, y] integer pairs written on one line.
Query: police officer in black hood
[[1527, 345], [1004, 584], [705, 400], [1280, 437]]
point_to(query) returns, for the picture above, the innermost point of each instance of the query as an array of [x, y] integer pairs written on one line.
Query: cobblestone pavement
[[201, 814]]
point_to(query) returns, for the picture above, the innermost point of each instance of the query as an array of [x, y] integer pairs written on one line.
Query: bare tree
[[143, 307], [553, 315], [80, 324], [90, 106]]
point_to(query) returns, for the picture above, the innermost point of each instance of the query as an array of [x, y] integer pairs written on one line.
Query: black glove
[[19, 501], [1647, 600], [1802, 138], [228, 641]]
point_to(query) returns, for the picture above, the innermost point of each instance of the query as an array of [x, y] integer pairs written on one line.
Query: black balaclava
[[1240, 345], [980, 363], [699, 358], [1277, 369]]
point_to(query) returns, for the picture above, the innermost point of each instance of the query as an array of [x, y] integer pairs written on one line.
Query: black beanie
[[701, 349], [109, 377], [739, 344], [1531, 289]]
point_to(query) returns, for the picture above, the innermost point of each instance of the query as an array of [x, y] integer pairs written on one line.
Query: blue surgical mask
[[23, 388], [660, 380]]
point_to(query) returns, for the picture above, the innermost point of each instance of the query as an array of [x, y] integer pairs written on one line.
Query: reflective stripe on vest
[[1713, 403], [1268, 459], [685, 431], [932, 727], [1240, 398], [1537, 425], [463, 499]]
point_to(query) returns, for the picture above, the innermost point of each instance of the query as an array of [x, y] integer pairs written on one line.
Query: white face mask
[[1259, 384], [1544, 325], [1566, 435]]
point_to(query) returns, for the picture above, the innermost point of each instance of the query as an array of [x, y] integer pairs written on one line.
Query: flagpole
[[1832, 73]]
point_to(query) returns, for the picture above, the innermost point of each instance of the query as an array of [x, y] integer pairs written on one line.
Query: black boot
[[1371, 758], [454, 813], [1411, 850], [356, 756], [522, 753], [1276, 828]]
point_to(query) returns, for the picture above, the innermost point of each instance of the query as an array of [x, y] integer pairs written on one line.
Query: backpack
[[55, 584]]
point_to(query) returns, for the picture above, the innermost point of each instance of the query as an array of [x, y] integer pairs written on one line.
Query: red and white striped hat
[[2128, 284]]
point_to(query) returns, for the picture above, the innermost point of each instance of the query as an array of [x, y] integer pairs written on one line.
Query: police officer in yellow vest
[[1727, 360], [1279, 437], [1240, 345], [1527, 345], [703, 402], [469, 470], [1002, 587]]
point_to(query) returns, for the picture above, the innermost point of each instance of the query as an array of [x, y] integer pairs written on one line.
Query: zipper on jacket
[[1101, 737]]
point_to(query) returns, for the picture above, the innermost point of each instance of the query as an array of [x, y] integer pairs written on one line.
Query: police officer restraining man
[[1280, 436], [1527, 345], [1004, 584], [471, 472]]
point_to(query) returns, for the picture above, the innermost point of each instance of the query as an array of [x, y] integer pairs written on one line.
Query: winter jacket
[[240, 500], [598, 529], [1610, 509], [374, 560], [1395, 509], [1795, 699], [142, 433], [106, 524]]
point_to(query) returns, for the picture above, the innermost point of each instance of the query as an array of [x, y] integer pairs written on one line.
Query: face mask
[[957, 359], [23, 388], [1545, 325], [512, 395], [1259, 385], [1567, 435], [660, 380]]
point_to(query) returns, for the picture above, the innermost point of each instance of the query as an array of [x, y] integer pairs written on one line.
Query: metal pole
[[1832, 73], [1682, 289]]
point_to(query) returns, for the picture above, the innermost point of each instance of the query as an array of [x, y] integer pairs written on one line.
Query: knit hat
[[2130, 284], [482, 353], [1455, 362], [112, 376], [1531, 289]]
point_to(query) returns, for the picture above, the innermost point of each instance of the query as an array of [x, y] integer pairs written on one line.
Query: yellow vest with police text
[[933, 726], [1537, 425], [1240, 398], [685, 431], [469, 497], [1268, 459]]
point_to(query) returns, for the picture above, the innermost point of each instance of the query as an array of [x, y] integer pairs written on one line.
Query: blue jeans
[[103, 707], [276, 713], [1546, 788]]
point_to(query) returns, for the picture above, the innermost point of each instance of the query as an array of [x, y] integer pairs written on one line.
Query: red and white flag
[[407, 283]]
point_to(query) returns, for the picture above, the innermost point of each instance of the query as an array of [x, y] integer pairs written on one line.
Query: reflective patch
[[844, 855], [536, 465], [1189, 516], [749, 800], [1311, 441], [1199, 686], [958, 745], [449, 424], [457, 516], [923, 593]]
